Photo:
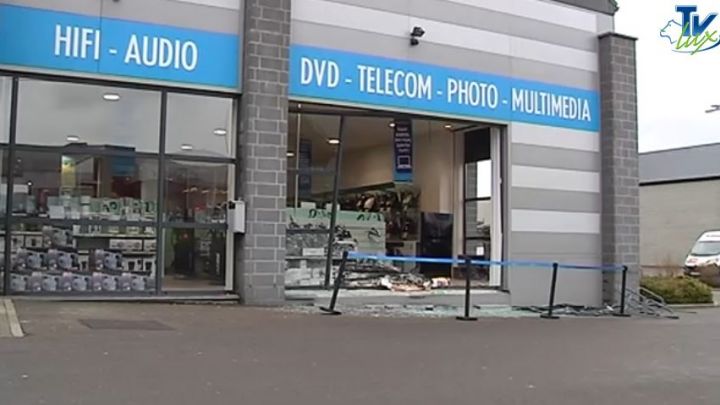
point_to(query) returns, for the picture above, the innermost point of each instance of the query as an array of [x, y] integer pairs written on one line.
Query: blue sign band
[[332, 75], [108, 46]]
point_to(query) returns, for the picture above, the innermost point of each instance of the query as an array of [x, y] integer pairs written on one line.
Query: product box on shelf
[[149, 209], [112, 208], [83, 261], [149, 245], [127, 245], [33, 241], [134, 264], [149, 265]]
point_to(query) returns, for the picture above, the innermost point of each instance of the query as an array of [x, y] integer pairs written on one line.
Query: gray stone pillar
[[261, 172], [619, 148]]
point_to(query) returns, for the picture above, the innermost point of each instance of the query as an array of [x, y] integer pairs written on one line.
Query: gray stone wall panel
[[619, 149], [260, 253]]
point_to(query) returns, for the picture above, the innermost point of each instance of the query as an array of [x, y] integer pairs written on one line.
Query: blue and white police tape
[[460, 261]]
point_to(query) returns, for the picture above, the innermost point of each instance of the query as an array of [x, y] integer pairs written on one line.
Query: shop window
[[313, 141], [85, 180], [200, 126], [64, 259], [308, 188], [196, 192], [63, 114], [482, 224], [313, 144], [194, 258], [478, 206], [61, 186], [83, 223]]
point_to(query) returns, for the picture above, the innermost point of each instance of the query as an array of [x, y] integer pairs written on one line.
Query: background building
[[679, 194]]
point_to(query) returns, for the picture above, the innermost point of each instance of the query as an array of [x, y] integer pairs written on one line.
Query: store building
[[499, 129]]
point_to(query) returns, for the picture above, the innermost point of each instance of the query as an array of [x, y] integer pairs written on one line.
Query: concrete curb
[[12, 319]]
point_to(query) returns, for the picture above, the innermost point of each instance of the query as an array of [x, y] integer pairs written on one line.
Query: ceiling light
[[73, 138], [448, 126], [186, 147], [333, 141], [290, 154], [111, 97], [391, 125], [220, 131], [299, 106]]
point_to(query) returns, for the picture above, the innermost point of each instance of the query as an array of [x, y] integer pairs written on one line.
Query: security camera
[[417, 32]]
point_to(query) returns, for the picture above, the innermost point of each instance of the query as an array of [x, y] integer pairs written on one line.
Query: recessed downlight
[[220, 131], [73, 138], [290, 154], [448, 126], [111, 97], [333, 141], [186, 147], [391, 125]]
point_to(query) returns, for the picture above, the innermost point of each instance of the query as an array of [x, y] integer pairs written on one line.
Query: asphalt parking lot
[[114, 353]]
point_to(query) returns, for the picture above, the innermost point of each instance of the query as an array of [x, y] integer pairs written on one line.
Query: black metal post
[[553, 284], [336, 195], [330, 310], [7, 259], [160, 205], [623, 291], [468, 268]]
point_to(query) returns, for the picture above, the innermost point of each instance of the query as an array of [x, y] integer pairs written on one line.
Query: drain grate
[[123, 324]]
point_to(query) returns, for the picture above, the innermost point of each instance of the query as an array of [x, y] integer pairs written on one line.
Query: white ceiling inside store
[[360, 132]]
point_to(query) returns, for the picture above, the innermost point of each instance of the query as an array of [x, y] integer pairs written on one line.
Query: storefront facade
[[128, 125]]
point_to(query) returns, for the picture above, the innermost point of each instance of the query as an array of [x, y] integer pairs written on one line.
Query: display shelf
[[44, 249], [86, 235], [133, 253], [78, 272], [23, 233]]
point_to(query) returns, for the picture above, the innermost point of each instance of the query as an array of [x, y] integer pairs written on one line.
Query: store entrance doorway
[[400, 189]]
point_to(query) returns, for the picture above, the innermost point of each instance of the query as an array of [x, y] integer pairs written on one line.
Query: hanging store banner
[[36, 38], [330, 75], [403, 145]]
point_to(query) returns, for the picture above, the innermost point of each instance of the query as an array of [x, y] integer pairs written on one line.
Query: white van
[[705, 252]]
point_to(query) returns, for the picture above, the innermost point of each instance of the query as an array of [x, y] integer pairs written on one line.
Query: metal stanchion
[[549, 314], [468, 268], [330, 310], [623, 291]]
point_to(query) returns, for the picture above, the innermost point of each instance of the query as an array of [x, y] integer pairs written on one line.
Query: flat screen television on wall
[[436, 241]]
